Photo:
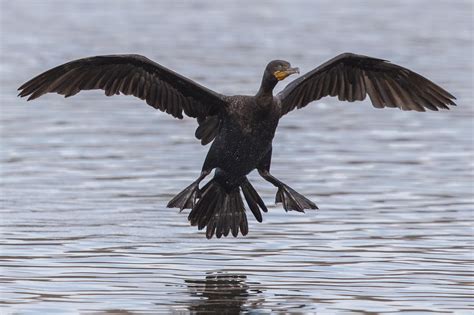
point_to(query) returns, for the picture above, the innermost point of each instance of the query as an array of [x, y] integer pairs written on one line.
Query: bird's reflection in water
[[223, 293]]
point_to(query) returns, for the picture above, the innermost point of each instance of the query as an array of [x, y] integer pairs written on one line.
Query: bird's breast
[[248, 117], [240, 145]]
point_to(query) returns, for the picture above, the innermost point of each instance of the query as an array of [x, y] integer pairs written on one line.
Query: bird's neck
[[265, 93]]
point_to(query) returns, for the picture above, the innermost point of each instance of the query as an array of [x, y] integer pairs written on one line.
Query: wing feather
[[334, 80], [373, 94], [134, 75], [351, 77], [342, 83]]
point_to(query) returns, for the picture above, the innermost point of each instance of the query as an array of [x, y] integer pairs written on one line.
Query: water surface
[[85, 180]]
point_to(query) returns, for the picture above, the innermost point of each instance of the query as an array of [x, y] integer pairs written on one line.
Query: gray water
[[85, 181]]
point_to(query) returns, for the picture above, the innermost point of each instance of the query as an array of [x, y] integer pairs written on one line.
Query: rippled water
[[85, 180]]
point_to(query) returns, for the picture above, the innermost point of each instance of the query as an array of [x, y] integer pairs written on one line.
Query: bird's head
[[280, 69]]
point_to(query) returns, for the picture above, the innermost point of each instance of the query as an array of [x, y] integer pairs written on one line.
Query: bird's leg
[[186, 198], [290, 199]]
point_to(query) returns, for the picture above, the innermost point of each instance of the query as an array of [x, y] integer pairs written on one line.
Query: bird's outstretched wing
[[134, 75], [351, 77]]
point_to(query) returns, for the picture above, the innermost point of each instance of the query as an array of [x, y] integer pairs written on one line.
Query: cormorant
[[241, 127]]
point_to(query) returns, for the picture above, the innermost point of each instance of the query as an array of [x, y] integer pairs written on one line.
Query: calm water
[[85, 181]]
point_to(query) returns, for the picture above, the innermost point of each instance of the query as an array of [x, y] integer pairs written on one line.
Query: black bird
[[241, 127]]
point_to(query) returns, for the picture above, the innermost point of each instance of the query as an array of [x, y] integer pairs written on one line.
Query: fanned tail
[[223, 212]]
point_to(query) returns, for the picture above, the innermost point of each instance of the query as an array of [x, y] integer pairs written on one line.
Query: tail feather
[[227, 216], [244, 227], [223, 212], [253, 200], [222, 218], [205, 207], [240, 222]]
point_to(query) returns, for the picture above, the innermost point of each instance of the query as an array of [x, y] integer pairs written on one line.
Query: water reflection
[[222, 293]]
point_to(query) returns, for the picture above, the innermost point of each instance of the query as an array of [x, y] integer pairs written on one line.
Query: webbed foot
[[186, 198], [293, 200]]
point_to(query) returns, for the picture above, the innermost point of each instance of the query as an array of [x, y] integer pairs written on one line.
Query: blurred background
[[85, 181]]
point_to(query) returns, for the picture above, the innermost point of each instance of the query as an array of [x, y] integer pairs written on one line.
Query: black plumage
[[351, 77], [241, 128]]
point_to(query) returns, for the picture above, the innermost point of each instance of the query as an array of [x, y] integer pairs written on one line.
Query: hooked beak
[[293, 70], [282, 74]]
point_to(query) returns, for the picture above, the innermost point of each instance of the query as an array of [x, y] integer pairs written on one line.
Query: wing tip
[[23, 94], [30, 98], [24, 85]]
